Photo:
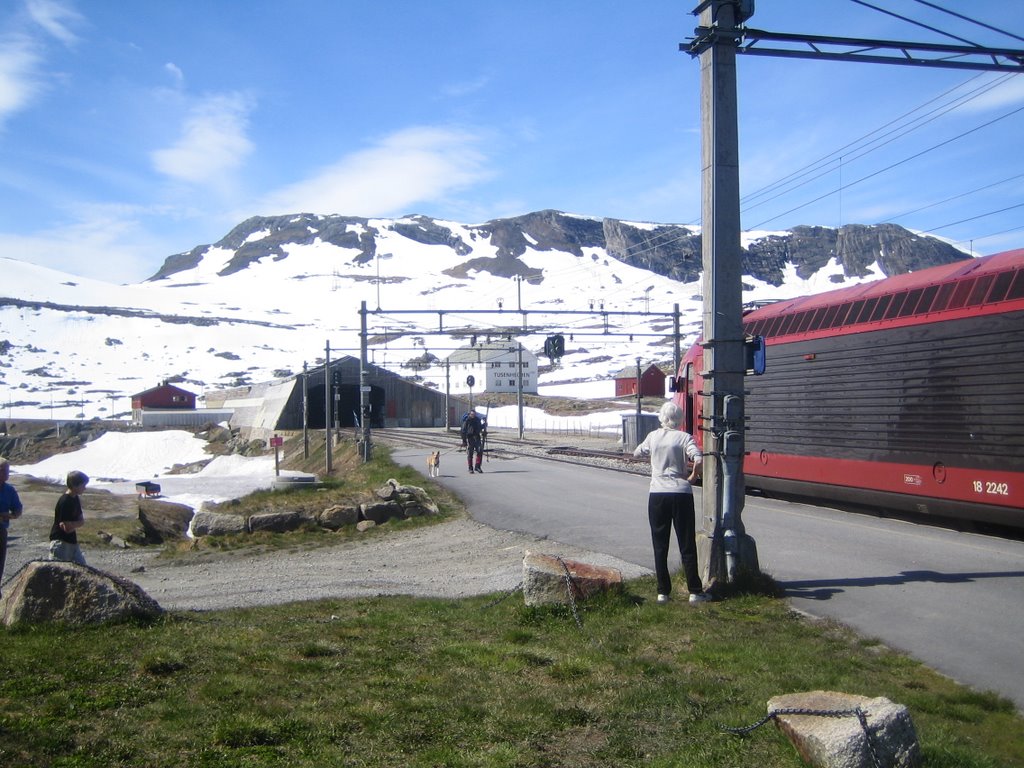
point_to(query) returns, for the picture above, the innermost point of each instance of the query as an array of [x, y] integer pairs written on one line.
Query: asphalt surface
[[951, 600]]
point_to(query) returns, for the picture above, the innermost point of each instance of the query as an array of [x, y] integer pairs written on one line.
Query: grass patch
[[421, 682], [479, 682], [352, 482]]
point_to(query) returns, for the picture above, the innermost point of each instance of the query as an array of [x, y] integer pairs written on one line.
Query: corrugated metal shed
[[261, 409]]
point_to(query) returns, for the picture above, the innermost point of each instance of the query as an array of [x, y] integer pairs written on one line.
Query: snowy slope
[[78, 348]]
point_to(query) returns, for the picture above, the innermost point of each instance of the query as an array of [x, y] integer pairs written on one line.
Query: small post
[[277, 441], [638, 403]]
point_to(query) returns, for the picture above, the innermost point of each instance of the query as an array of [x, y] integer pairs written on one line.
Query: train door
[[687, 396]]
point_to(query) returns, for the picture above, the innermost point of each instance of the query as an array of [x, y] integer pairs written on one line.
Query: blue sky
[[130, 131]]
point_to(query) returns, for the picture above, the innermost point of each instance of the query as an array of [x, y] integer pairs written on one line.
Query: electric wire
[[840, 154], [916, 23], [954, 197], [891, 166], [969, 19], [667, 237]]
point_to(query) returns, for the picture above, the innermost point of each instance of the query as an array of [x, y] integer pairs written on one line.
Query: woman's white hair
[[670, 415]]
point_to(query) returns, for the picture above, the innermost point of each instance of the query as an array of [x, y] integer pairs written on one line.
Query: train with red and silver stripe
[[903, 394]]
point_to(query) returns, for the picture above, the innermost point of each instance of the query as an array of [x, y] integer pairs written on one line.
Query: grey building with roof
[[497, 366]]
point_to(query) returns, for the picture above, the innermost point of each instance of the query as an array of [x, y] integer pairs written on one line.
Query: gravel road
[[453, 559]]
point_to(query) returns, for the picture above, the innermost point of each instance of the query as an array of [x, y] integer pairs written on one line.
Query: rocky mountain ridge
[[671, 250], [265, 300]]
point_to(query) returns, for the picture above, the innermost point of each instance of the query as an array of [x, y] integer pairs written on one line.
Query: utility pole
[[364, 388], [327, 407], [305, 410], [519, 387], [723, 546], [447, 396]]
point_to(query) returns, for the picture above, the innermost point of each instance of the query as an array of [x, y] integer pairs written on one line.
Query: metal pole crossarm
[[705, 37], [442, 312], [534, 332], [883, 51]]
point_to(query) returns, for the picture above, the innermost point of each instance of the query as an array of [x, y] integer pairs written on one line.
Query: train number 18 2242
[[991, 488]]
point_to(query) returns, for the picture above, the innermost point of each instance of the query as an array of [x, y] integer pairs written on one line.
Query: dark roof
[[164, 388]]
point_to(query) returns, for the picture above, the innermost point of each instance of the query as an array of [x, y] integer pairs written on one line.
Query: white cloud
[[1009, 93], [18, 78], [55, 17], [466, 87], [407, 167], [176, 74], [213, 141], [105, 243]]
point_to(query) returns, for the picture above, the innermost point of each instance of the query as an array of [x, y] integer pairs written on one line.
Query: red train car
[[902, 394]]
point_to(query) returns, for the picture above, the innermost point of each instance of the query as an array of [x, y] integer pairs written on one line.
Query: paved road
[[951, 600]]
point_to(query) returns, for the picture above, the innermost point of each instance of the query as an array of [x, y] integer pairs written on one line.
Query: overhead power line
[[916, 23], [891, 166], [969, 19]]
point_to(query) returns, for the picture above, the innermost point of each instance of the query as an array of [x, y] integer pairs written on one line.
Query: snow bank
[[116, 461]]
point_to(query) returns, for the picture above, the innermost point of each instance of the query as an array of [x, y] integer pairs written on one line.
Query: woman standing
[[670, 502]]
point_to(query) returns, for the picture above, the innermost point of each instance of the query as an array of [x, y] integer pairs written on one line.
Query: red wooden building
[[165, 397], [652, 382]]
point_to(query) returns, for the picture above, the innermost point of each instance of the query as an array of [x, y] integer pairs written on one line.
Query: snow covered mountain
[[276, 291]]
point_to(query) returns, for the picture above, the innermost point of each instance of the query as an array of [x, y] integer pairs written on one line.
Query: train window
[[927, 297], [880, 307], [911, 303], [817, 319], [786, 324], [855, 312], [1017, 289], [1001, 286], [829, 320], [960, 295], [898, 300], [865, 313], [840, 318], [805, 321], [980, 291], [942, 300]]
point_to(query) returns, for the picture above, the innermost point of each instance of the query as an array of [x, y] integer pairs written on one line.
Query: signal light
[[554, 346]]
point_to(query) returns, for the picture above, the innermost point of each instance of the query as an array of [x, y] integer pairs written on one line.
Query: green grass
[[480, 682], [414, 682]]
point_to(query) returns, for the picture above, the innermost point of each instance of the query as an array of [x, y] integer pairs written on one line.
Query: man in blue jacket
[[10, 508]]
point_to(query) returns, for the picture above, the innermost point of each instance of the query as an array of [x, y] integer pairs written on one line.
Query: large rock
[[164, 520], [338, 516], [841, 742], [544, 579], [279, 522], [381, 512], [214, 524], [73, 594], [413, 499]]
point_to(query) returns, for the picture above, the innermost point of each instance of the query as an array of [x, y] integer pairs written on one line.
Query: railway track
[[501, 444]]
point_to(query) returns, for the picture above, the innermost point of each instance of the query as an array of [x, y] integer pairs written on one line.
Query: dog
[[434, 464]]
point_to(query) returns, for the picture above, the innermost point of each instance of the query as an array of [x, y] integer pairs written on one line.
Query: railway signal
[[554, 347]]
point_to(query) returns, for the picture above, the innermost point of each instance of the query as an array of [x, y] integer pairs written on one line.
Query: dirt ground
[[456, 558]]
